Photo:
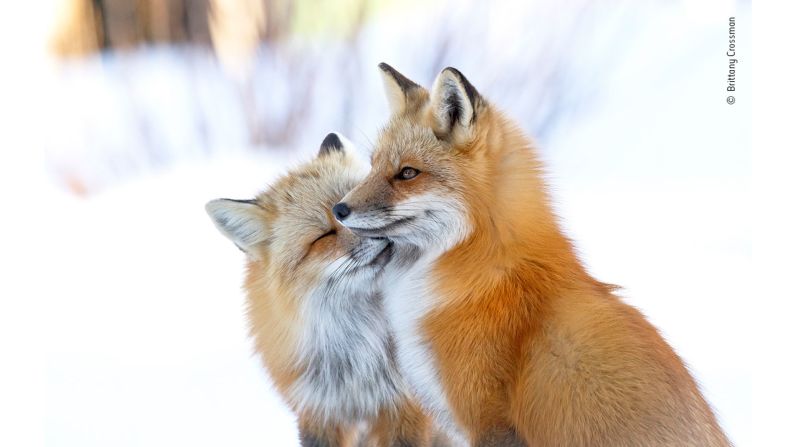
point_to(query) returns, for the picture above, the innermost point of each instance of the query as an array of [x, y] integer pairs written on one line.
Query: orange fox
[[315, 310], [500, 331]]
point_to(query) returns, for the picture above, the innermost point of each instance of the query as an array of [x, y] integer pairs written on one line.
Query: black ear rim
[[405, 84], [254, 202], [471, 91], [454, 102], [248, 201], [332, 143]]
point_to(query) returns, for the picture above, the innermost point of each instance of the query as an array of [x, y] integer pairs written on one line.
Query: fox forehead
[[315, 184], [404, 141], [301, 201]]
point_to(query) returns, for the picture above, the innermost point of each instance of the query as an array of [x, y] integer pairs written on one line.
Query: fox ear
[[242, 221], [401, 92], [454, 105], [332, 143]]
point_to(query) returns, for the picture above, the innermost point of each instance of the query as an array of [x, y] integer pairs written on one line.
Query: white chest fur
[[350, 373], [407, 299]]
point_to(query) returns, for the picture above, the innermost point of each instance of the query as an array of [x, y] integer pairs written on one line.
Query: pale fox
[[501, 332], [315, 310]]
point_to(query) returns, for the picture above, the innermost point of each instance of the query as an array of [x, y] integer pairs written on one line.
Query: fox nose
[[341, 211]]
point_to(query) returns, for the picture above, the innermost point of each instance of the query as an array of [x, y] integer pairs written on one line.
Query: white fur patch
[[408, 297], [438, 222], [350, 374]]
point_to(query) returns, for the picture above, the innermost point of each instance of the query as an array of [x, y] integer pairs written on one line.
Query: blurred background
[[121, 118]]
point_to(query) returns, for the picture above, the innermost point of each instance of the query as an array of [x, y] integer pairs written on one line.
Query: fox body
[[500, 331], [314, 308]]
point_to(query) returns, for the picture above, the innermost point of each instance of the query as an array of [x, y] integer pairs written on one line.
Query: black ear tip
[[455, 72], [403, 82], [388, 69], [471, 91], [331, 143]]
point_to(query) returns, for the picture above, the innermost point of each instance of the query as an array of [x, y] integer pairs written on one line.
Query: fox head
[[290, 235], [441, 164]]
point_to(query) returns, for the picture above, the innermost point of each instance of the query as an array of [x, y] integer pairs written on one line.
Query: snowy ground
[[139, 301]]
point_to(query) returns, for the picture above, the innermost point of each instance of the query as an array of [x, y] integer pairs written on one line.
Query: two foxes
[[500, 334]]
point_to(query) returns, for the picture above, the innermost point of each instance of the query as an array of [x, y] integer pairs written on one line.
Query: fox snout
[[364, 221], [421, 214], [364, 210]]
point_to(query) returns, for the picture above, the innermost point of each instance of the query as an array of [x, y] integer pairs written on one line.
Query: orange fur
[[409, 424], [524, 340]]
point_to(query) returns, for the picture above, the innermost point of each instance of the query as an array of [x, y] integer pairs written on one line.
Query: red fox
[[500, 331], [314, 306]]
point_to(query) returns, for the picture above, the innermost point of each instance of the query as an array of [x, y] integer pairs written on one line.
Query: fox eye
[[327, 234], [407, 173]]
